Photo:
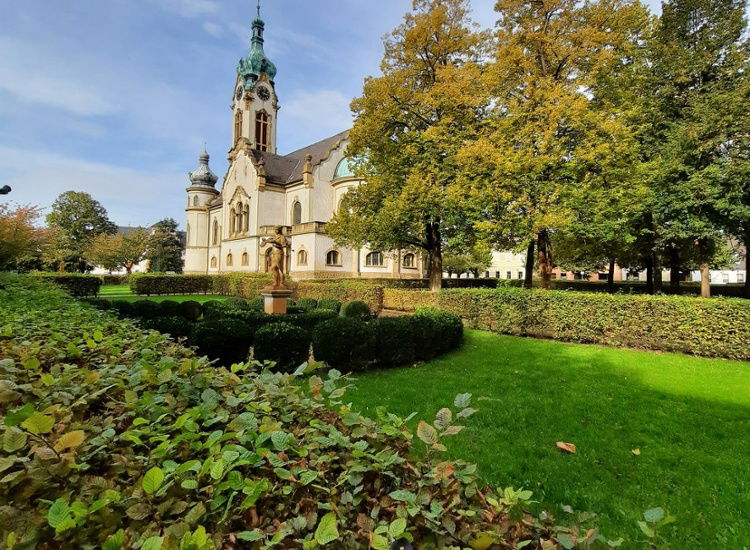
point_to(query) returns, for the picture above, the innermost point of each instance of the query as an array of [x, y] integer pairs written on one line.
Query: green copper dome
[[256, 63]]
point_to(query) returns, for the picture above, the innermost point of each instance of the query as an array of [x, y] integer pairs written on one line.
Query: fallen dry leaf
[[566, 447], [636, 452]]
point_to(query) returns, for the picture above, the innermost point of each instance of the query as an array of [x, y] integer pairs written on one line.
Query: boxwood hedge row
[[719, 327], [75, 284]]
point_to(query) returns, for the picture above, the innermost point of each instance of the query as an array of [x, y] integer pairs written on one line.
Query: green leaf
[[565, 541], [152, 543], [281, 440], [153, 480], [462, 400], [13, 440], [427, 433], [379, 542], [403, 496], [308, 477], [189, 484], [250, 536], [646, 529], [38, 423], [16, 416], [397, 528], [217, 469], [327, 530], [654, 515], [115, 542], [6, 462], [58, 513]]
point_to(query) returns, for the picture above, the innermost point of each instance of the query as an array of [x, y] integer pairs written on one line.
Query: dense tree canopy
[[121, 250], [164, 252], [410, 124], [20, 235]]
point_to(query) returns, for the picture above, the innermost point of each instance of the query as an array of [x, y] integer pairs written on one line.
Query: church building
[[262, 190]]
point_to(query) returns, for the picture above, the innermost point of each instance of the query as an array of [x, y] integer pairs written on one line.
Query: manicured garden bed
[[651, 429]]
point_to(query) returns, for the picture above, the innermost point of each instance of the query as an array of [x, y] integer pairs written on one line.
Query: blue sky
[[116, 97]]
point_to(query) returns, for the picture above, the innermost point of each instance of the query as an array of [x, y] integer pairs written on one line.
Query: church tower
[[201, 192], [255, 105]]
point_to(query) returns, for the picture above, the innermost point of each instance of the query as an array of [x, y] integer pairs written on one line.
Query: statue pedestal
[[274, 299]]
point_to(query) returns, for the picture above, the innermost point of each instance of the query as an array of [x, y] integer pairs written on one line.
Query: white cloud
[[188, 8], [214, 29], [313, 115], [58, 91], [131, 197]]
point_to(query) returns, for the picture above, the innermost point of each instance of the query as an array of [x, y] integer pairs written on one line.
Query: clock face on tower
[[263, 93]]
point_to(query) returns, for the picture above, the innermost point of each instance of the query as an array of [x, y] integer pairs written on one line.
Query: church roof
[[287, 169]]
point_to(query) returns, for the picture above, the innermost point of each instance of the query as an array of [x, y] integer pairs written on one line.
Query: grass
[[123, 292], [689, 417]]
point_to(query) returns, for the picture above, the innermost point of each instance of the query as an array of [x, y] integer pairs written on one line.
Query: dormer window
[[262, 131]]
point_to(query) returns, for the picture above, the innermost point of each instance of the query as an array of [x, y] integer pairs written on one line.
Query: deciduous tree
[[165, 247], [78, 218], [20, 234], [121, 250], [410, 123]]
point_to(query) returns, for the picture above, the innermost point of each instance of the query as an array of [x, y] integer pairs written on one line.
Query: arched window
[[333, 258], [215, 239], [409, 260], [230, 260], [213, 261], [343, 170], [246, 218], [195, 200], [374, 259], [302, 257], [238, 217], [232, 221], [245, 259], [237, 125], [262, 131], [296, 213]]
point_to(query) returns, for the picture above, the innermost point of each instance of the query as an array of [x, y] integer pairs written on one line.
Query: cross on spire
[[258, 8]]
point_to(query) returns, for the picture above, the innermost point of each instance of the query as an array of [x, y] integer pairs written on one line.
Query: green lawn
[[123, 292], [689, 417]]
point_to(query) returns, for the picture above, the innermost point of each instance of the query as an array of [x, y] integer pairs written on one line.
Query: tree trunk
[[705, 272], [436, 256], [544, 258], [674, 270], [528, 280], [650, 274], [611, 278], [658, 281]]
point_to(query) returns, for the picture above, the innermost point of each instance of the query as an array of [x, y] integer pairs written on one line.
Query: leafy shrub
[[176, 326], [285, 344], [123, 308], [425, 331], [225, 340], [146, 309], [100, 303], [256, 304], [246, 285], [169, 308], [157, 283], [236, 303], [448, 330], [329, 303], [394, 341], [191, 310], [306, 303], [343, 291], [213, 308], [127, 440], [76, 284], [355, 310], [719, 327], [344, 343], [114, 279], [310, 319]]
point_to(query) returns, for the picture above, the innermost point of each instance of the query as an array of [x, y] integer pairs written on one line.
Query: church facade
[[262, 190]]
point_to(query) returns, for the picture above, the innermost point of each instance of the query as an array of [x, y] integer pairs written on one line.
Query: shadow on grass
[[688, 417]]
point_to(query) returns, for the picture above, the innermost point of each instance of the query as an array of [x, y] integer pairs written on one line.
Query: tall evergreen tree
[[164, 252]]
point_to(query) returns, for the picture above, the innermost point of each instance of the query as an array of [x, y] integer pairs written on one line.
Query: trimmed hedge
[[355, 310], [114, 279], [344, 343], [225, 340], [342, 291], [718, 327], [191, 310], [79, 285], [246, 285], [175, 326], [283, 343], [306, 303], [394, 341], [328, 303]]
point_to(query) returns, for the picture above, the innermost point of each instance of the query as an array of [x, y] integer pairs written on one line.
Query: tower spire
[[259, 8]]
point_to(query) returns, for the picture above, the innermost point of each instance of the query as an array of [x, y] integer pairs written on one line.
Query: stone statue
[[279, 244]]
